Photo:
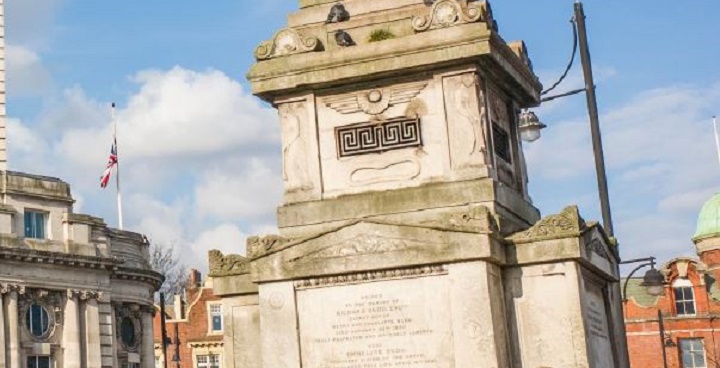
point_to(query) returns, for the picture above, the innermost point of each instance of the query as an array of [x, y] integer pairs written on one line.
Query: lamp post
[[530, 130], [654, 283]]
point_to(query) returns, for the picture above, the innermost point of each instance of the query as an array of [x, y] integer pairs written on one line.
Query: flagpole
[[117, 170], [717, 139]]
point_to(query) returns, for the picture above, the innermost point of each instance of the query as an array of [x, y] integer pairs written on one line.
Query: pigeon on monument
[[343, 39], [337, 14]]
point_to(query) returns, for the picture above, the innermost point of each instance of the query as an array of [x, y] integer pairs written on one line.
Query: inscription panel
[[388, 324], [596, 326], [360, 139]]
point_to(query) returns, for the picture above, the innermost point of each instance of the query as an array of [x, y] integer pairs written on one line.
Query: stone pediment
[[366, 245]]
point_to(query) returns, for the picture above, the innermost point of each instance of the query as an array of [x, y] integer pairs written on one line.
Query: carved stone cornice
[[429, 270], [567, 223], [10, 287], [60, 259], [258, 246], [287, 41], [84, 294], [227, 265], [448, 13]]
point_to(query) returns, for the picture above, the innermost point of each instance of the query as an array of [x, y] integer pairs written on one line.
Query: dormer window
[[684, 297], [35, 222]]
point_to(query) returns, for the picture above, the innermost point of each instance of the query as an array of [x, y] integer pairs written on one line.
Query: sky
[[200, 156]]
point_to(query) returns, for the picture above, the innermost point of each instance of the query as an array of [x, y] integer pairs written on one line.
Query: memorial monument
[[407, 235]]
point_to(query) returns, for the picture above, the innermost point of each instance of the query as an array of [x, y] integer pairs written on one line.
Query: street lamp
[[654, 283], [530, 126]]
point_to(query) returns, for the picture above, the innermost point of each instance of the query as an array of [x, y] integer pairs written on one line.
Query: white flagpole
[[117, 170], [717, 139]]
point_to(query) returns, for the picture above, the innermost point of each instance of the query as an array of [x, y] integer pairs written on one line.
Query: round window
[[37, 320], [127, 332]]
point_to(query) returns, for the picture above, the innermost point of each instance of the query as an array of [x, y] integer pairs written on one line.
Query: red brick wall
[[643, 332], [193, 328]]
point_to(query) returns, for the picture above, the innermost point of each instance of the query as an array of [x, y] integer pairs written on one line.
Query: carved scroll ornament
[[226, 265], [287, 42], [566, 223], [258, 246], [447, 13]]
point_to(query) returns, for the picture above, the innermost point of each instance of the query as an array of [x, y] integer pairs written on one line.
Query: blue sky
[[200, 156]]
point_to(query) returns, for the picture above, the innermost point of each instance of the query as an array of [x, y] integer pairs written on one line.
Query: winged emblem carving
[[375, 101]]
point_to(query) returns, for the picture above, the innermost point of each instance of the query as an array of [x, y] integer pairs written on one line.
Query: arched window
[[684, 297], [37, 320]]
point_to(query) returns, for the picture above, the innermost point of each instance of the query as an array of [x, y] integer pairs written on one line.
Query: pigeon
[[337, 14], [343, 39]]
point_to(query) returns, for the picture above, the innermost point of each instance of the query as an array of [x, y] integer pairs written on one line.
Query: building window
[[208, 361], [684, 297], [216, 318], [38, 362], [35, 224], [501, 141], [37, 320], [127, 333], [693, 353]]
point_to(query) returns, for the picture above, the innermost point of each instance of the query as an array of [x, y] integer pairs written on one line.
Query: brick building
[[195, 327], [690, 306]]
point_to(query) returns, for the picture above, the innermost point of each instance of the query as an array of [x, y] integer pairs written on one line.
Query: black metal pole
[[163, 330], [662, 338], [594, 119], [176, 358]]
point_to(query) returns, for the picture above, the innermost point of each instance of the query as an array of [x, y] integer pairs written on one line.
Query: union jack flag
[[112, 161]]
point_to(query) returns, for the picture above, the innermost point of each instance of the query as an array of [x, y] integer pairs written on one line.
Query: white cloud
[[239, 189], [26, 75], [199, 158], [227, 238]]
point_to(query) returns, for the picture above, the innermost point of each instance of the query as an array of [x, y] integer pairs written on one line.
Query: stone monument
[[407, 235]]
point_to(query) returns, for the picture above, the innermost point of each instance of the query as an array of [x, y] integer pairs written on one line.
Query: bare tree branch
[[165, 260]]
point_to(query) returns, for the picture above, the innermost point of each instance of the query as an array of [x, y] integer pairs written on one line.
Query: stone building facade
[[690, 305], [407, 236], [198, 319], [75, 293]]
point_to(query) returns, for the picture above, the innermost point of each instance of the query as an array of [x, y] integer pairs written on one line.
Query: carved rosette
[[258, 246], [448, 13], [287, 42], [51, 301], [227, 265], [566, 223]]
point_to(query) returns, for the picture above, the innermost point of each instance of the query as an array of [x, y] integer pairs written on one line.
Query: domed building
[[682, 320]]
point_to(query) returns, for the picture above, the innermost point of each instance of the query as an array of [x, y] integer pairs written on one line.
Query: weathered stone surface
[[227, 265]]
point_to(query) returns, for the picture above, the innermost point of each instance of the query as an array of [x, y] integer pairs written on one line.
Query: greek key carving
[[365, 138]]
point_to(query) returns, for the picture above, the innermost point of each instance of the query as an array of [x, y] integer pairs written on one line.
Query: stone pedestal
[[407, 237]]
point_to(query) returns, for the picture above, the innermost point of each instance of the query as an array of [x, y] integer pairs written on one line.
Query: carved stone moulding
[[374, 101], [448, 13], [258, 246], [50, 303], [565, 224], [227, 265], [128, 327], [369, 276], [287, 41]]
